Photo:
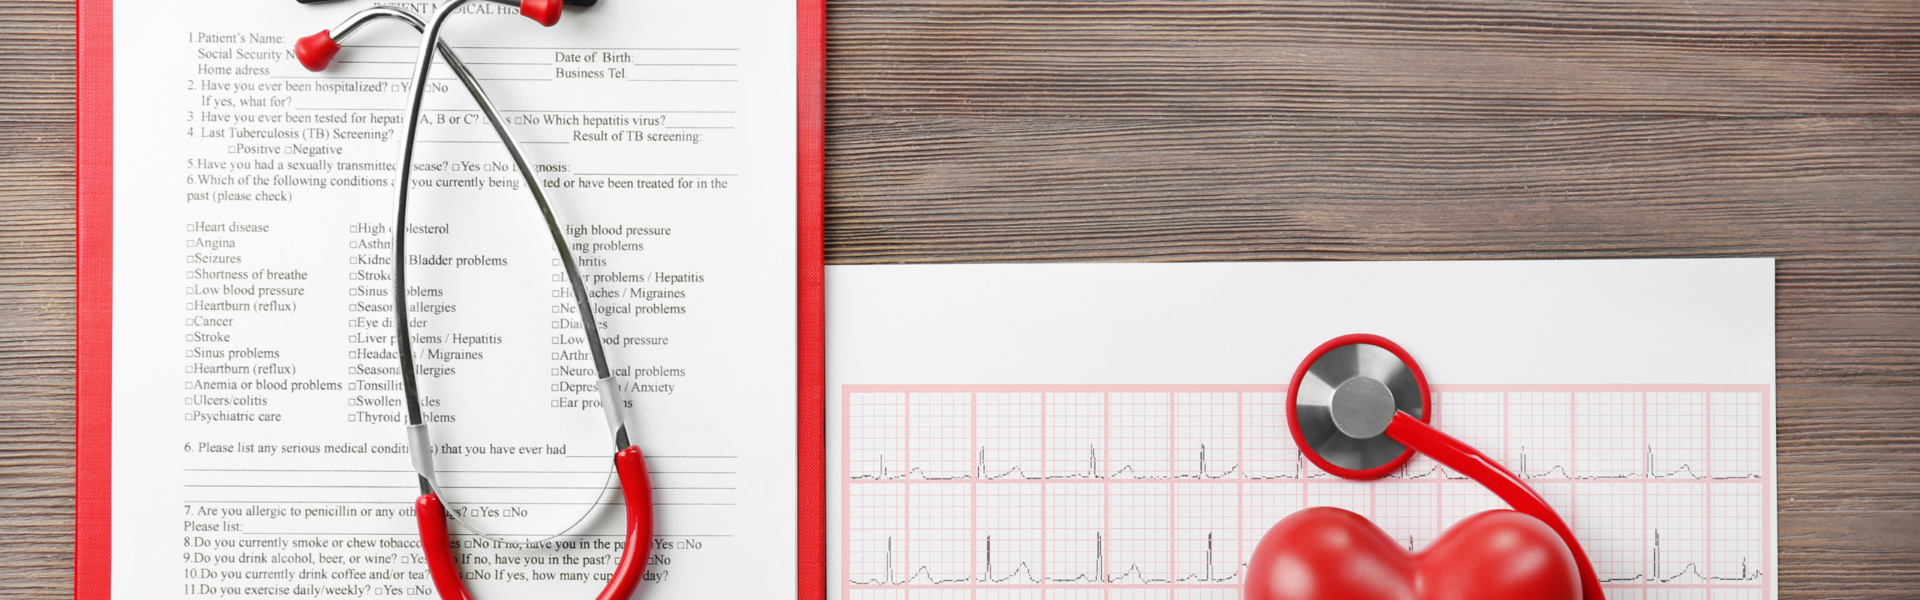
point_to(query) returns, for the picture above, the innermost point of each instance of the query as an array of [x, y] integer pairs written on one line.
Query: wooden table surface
[[1312, 130]]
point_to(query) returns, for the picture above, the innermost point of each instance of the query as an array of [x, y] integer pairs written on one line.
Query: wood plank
[[36, 298], [1241, 61]]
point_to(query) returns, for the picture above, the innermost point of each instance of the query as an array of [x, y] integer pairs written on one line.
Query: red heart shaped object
[[1327, 553]]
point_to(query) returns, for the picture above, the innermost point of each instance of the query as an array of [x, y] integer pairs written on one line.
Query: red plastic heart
[[1327, 553]]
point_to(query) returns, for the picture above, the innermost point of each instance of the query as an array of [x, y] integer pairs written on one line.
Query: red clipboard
[[93, 435]]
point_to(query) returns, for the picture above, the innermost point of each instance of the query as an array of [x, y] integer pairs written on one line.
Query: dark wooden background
[[1310, 130]]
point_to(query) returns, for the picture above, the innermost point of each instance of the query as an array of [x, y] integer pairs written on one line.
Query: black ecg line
[[1022, 570], [1525, 470]]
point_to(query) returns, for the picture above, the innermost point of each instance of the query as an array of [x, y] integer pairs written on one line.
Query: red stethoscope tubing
[[1457, 455], [627, 575]]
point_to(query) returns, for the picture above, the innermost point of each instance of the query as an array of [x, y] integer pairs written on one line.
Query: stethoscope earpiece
[[544, 12], [316, 51]]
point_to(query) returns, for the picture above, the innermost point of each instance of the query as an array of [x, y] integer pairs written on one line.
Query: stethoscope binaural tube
[[315, 52], [1358, 408]]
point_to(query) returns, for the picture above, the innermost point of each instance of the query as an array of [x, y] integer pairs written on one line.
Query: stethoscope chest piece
[[1359, 407], [1344, 396]]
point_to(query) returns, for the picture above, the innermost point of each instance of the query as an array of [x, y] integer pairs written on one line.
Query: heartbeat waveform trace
[[1024, 571], [1018, 472], [1099, 574], [1684, 471], [1655, 576], [1212, 477]]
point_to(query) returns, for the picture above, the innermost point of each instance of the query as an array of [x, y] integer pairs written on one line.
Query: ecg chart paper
[[1119, 431]]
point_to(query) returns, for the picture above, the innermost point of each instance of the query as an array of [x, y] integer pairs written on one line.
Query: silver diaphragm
[[1346, 400]]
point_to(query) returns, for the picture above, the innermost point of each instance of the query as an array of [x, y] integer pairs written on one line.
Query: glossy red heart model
[[1327, 553]]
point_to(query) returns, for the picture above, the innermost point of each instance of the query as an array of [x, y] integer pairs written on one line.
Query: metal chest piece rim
[[1342, 399]]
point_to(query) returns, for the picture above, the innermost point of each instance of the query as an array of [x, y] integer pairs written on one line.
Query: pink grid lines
[[1161, 492]]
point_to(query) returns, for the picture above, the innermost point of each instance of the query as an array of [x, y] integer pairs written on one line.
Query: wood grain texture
[[36, 299], [1174, 131], [1143, 131]]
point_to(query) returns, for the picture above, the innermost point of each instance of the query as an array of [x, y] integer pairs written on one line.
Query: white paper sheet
[[258, 445], [1116, 430]]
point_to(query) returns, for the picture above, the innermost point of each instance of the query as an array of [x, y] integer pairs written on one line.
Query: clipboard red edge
[[93, 335], [93, 301], [811, 483]]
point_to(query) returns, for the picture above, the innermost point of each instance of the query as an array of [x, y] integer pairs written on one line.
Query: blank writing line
[[444, 487], [678, 535], [663, 175], [556, 48], [397, 78], [380, 471], [624, 112], [410, 470], [482, 142], [396, 503]]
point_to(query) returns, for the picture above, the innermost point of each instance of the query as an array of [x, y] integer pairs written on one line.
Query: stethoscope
[[315, 52], [1358, 407]]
